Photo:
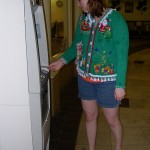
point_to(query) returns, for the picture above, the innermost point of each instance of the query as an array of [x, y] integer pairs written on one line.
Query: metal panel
[[32, 50], [41, 34]]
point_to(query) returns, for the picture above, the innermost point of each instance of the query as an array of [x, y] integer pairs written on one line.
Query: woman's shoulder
[[116, 14]]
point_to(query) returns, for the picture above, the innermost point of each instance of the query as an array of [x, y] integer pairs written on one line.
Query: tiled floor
[[68, 127]]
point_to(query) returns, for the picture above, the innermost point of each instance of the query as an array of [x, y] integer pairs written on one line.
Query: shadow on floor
[[65, 124]]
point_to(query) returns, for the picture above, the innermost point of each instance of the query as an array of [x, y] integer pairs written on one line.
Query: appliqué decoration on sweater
[[86, 23], [105, 28]]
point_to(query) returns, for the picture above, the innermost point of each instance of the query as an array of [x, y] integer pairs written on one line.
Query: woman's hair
[[96, 7]]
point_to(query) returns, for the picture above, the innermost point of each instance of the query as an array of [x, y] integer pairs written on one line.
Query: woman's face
[[83, 5]]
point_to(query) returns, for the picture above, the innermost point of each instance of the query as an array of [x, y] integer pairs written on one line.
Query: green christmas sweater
[[101, 48]]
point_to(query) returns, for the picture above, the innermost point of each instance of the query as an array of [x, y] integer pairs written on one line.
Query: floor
[[68, 126]]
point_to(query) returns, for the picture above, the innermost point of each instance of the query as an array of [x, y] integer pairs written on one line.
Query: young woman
[[100, 47]]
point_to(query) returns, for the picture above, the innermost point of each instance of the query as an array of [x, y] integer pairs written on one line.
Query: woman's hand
[[119, 93], [57, 65]]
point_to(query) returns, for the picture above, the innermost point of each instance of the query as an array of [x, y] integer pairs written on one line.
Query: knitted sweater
[[101, 48]]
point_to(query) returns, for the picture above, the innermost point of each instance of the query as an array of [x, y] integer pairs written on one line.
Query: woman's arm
[[70, 53], [121, 39]]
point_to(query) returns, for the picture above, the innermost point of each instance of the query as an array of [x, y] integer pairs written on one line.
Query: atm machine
[[24, 78]]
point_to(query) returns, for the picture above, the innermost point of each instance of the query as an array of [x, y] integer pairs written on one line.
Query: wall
[[135, 15], [77, 12], [57, 13]]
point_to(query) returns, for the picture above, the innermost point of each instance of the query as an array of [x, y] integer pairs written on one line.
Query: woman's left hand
[[119, 93]]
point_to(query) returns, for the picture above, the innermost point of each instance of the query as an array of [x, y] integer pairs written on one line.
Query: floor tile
[[133, 136], [85, 147], [81, 138]]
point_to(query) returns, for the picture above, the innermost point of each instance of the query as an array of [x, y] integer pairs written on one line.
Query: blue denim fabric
[[102, 92]]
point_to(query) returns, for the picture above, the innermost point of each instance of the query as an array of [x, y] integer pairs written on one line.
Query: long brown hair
[[96, 7]]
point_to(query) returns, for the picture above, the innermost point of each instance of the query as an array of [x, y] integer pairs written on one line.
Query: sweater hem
[[96, 78]]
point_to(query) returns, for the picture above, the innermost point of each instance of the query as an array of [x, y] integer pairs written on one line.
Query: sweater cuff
[[63, 61], [120, 86]]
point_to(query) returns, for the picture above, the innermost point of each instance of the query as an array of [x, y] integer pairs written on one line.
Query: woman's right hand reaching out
[[57, 65]]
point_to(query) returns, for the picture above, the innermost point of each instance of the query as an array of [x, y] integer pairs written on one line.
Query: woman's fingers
[[119, 93], [55, 66]]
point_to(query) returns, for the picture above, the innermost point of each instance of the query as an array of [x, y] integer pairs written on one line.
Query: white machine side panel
[[13, 63], [32, 50], [41, 33], [36, 121], [15, 128]]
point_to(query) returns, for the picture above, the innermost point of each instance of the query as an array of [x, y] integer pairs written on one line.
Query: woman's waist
[[91, 77]]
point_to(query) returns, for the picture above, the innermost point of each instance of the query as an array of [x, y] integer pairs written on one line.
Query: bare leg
[[112, 117], [91, 111]]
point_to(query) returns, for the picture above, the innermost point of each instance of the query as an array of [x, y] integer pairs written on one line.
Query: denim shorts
[[102, 92]]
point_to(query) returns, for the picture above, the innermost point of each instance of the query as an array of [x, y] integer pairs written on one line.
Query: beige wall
[[57, 13], [135, 15], [77, 12]]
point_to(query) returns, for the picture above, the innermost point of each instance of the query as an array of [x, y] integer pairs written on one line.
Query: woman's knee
[[113, 122], [112, 116], [90, 109], [91, 116]]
